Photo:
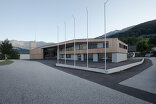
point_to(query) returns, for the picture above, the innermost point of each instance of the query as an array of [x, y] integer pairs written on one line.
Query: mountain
[[145, 28], [133, 34], [109, 34], [25, 44], [21, 50]]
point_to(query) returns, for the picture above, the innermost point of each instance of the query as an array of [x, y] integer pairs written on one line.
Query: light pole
[[74, 40], [87, 36], [105, 31], [65, 41], [58, 45]]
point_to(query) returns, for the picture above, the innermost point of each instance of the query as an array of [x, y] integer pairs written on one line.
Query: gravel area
[[101, 64], [28, 82]]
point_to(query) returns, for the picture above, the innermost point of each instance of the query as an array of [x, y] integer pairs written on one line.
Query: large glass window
[[68, 56], [122, 46], [80, 46], [70, 48], [92, 45], [107, 44]]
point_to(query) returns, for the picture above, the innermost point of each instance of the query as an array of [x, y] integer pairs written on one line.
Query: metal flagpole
[[74, 40], [87, 36], [105, 32], [65, 41], [58, 45]]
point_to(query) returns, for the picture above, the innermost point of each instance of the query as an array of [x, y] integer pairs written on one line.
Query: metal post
[[74, 40], [58, 45], [87, 36], [65, 42], [105, 32]]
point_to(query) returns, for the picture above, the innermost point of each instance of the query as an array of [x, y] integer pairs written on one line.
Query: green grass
[[6, 62]]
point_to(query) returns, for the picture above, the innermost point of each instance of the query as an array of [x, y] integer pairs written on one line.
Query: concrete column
[[95, 57], [82, 57]]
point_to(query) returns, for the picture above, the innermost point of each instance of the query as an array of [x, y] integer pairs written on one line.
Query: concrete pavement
[[145, 80], [27, 82]]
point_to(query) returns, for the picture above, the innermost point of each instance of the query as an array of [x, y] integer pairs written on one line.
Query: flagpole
[[105, 33], [58, 45], [74, 40], [65, 41], [87, 36]]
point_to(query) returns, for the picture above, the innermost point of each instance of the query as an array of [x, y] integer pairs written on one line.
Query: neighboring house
[[154, 49], [23, 53], [116, 50], [131, 51]]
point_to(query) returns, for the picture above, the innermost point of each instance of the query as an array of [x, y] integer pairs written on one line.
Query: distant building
[[116, 50], [32, 45], [23, 53], [131, 51]]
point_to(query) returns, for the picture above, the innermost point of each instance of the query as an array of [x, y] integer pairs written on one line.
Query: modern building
[[116, 50], [23, 53]]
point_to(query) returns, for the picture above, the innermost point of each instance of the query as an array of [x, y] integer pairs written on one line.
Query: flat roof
[[80, 41]]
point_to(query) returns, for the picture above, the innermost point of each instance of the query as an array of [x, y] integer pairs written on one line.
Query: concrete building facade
[[116, 50]]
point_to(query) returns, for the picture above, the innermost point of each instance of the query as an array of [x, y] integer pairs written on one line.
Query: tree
[[130, 40], [7, 51], [5, 48], [152, 40], [142, 46]]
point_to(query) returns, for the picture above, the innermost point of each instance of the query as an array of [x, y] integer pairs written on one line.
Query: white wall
[[118, 57], [82, 57], [95, 57], [24, 56]]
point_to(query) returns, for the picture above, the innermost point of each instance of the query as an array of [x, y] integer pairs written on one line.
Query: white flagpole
[[87, 36], [74, 40], [58, 45], [65, 41], [105, 32]]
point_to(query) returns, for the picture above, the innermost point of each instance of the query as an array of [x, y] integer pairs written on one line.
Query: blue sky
[[20, 19]]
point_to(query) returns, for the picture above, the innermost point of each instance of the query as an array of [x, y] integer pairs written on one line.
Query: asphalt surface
[[113, 80], [144, 81], [29, 82]]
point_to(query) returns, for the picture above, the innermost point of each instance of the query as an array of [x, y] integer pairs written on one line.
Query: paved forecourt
[[28, 82], [146, 80]]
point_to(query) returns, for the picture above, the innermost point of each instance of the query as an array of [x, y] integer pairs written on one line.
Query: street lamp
[[105, 30]]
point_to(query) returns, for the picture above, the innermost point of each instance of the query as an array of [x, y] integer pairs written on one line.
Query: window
[[122, 46], [92, 45], [80, 46], [107, 44], [68, 56], [70, 48]]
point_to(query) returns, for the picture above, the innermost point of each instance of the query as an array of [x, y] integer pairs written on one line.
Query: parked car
[[148, 54]]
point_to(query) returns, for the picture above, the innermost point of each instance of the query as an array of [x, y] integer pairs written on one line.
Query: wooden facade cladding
[[112, 48]]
